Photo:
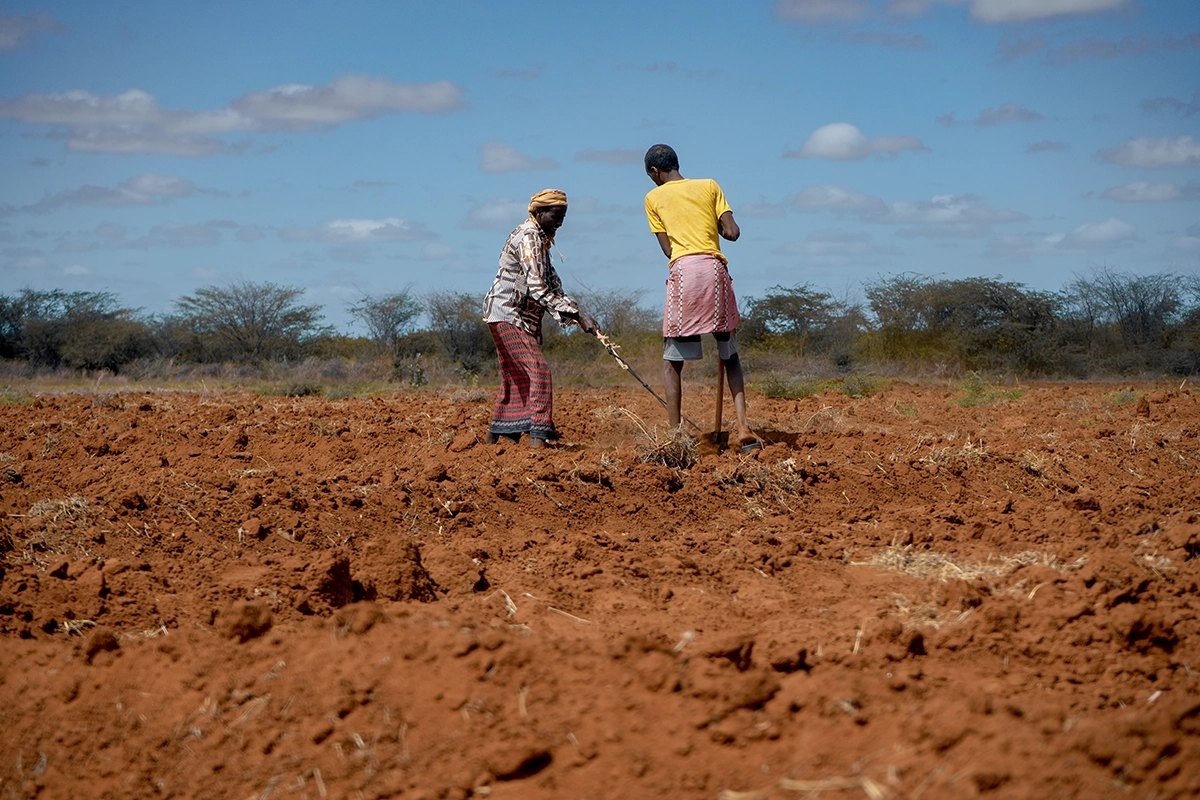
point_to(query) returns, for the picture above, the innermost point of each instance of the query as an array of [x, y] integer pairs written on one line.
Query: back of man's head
[[662, 156]]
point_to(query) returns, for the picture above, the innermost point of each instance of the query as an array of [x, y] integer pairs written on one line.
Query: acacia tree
[[388, 319], [81, 330], [979, 322], [247, 321], [456, 319], [803, 320], [1140, 307]]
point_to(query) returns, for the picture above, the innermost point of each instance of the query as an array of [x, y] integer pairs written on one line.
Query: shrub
[[979, 393]]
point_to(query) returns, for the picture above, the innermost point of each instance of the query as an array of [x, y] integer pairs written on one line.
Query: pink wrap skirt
[[699, 297]]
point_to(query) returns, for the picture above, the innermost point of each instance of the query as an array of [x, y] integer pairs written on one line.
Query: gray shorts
[[688, 348]]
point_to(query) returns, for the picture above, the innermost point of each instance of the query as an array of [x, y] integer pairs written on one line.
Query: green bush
[[979, 392], [862, 384], [783, 386]]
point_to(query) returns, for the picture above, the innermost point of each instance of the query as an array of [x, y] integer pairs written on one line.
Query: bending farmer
[[527, 286], [689, 217]]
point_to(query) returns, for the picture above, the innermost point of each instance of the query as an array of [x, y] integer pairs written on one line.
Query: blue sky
[[149, 149]]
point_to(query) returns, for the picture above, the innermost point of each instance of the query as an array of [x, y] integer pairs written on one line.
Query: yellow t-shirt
[[687, 211]]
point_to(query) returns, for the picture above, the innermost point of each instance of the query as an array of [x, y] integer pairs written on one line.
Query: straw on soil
[[674, 449], [932, 565], [71, 509]]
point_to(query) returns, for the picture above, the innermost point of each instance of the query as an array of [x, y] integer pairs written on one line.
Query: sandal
[[751, 446]]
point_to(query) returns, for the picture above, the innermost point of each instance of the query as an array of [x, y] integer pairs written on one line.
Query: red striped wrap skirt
[[524, 403]]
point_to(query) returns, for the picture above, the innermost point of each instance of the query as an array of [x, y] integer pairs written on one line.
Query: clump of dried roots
[[674, 448]]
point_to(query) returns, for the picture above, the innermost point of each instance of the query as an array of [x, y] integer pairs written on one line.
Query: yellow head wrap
[[547, 197]]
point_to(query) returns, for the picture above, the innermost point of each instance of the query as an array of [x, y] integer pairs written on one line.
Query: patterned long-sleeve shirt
[[526, 284]]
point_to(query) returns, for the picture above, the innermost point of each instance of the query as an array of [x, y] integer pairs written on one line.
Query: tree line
[[1104, 322]]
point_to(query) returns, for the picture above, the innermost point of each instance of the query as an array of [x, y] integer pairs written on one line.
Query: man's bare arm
[[664, 242], [728, 229]]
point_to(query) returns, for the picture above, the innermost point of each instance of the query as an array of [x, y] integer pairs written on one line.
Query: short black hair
[[662, 156]]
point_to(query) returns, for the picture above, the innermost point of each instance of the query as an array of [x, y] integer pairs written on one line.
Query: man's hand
[[587, 323]]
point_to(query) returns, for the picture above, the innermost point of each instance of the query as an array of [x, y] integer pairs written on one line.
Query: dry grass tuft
[[823, 421], [75, 627], [812, 788], [927, 615], [71, 509], [767, 487], [110, 400], [932, 565], [1034, 463], [320, 428], [471, 394], [962, 456], [674, 448]]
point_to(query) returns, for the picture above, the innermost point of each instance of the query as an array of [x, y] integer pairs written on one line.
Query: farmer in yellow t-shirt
[[689, 217]]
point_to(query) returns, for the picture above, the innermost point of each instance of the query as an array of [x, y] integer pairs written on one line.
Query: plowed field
[[222, 595]]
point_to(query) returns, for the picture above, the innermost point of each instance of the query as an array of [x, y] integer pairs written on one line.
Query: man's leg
[[673, 382], [737, 388]]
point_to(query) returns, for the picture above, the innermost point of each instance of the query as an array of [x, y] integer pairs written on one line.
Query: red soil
[[226, 595]]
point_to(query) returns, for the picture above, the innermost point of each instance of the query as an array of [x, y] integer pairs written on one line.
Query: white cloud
[[1091, 47], [1147, 152], [134, 122], [352, 97], [31, 263], [77, 246], [76, 270], [1011, 10], [17, 31], [1098, 235], [1186, 244], [495, 157], [1146, 192], [1015, 45], [940, 217], [1028, 10], [816, 12], [836, 198], [947, 209], [614, 157], [1185, 109], [495, 215], [1009, 112], [350, 231], [841, 141], [150, 140], [1189, 243], [141, 190], [915, 8], [837, 247]]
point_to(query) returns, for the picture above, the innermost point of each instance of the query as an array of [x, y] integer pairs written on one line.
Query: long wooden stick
[[612, 351]]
